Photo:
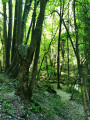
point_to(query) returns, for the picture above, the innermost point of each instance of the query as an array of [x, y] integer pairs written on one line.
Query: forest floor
[[74, 110], [50, 106]]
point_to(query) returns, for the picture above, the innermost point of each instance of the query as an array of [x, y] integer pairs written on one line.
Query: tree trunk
[[68, 47], [14, 41], [34, 72], [25, 15], [16, 35], [32, 21], [24, 67], [19, 29], [23, 79], [4, 30], [8, 45], [58, 56], [78, 61]]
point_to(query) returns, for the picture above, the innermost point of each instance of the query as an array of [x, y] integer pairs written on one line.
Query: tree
[[9, 39], [4, 28], [24, 65]]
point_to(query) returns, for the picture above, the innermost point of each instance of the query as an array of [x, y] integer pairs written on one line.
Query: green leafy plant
[[8, 107], [34, 108]]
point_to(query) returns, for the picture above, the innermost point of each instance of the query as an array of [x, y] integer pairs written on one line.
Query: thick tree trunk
[[16, 36], [23, 79], [19, 29], [24, 67], [34, 72]]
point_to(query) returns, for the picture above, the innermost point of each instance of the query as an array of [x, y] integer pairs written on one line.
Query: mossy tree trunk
[[23, 79], [34, 72], [25, 64]]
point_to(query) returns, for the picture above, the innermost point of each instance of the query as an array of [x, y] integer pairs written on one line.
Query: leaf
[[4, 1]]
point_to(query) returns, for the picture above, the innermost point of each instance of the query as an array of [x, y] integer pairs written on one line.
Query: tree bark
[[14, 41], [68, 47], [33, 19], [19, 29], [34, 72], [23, 79], [59, 45], [78, 61], [8, 45], [25, 15], [24, 67]]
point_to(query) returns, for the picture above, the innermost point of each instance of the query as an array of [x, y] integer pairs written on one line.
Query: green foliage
[[7, 88], [33, 108], [46, 83], [8, 107], [78, 96], [57, 109], [4, 1]]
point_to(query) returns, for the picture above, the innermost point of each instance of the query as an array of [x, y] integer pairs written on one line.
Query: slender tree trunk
[[14, 41], [68, 47], [69, 37], [29, 30], [4, 30], [58, 56], [77, 49], [8, 45], [68, 61], [32, 21], [25, 15], [84, 99], [47, 51]]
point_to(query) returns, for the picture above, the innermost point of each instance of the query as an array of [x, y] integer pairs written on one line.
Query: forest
[[44, 59]]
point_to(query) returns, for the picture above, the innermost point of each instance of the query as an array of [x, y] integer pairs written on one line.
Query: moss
[[23, 51]]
